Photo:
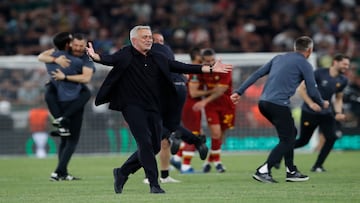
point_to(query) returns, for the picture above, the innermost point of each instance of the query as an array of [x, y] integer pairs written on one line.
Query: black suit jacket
[[121, 60]]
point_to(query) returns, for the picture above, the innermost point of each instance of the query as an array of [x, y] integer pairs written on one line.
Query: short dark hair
[[79, 36], [303, 43], [207, 52], [340, 57], [61, 39], [195, 51]]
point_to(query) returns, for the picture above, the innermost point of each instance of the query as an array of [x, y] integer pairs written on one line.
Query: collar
[[137, 53]]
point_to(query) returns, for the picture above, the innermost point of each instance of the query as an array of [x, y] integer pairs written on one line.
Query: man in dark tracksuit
[[138, 86], [173, 110], [330, 81], [285, 73], [171, 116]]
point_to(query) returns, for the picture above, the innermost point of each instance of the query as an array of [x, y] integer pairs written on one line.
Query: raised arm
[[105, 59], [91, 52]]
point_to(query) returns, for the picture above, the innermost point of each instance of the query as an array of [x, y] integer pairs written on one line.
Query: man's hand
[[326, 104], [90, 52], [62, 61], [235, 98], [340, 117], [219, 67], [315, 107], [199, 105], [58, 75]]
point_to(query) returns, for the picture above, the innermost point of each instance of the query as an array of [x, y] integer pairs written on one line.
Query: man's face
[[158, 38], [343, 65], [143, 41], [197, 60], [78, 47], [208, 60]]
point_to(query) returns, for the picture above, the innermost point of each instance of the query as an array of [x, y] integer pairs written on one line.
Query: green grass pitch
[[24, 179]]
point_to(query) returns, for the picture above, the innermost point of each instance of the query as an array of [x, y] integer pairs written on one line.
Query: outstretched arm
[[218, 67], [235, 98]]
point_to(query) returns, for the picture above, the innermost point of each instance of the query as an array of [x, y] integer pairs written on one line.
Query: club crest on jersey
[[324, 83]]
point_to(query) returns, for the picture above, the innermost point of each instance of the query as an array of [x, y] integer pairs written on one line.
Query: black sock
[[164, 173]]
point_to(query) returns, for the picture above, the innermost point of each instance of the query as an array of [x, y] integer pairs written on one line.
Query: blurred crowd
[[27, 28]]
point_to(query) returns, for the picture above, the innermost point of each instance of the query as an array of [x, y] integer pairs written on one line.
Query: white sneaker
[[163, 180], [54, 177], [70, 177], [57, 122], [64, 132], [146, 181], [169, 180]]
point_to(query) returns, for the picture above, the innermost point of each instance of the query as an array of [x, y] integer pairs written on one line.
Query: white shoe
[[55, 177], [70, 177], [64, 132], [146, 181], [56, 122], [169, 180], [163, 180]]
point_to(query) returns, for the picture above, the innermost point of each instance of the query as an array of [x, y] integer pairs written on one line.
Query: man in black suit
[[138, 86]]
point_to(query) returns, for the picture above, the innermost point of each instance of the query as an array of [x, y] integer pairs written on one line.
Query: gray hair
[[134, 31]]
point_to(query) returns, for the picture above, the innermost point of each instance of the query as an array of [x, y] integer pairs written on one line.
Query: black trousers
[[146, 127], [327, 125], [68, 144], [172, 117], [54, 106], [281, 118]]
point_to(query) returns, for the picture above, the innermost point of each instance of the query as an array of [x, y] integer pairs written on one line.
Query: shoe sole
[[257, 178], [318, 171], [297, 179], [54, 179]]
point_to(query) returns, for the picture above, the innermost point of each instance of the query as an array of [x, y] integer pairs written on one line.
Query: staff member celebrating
[[331, 81], [138, 86], [285, 73]]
